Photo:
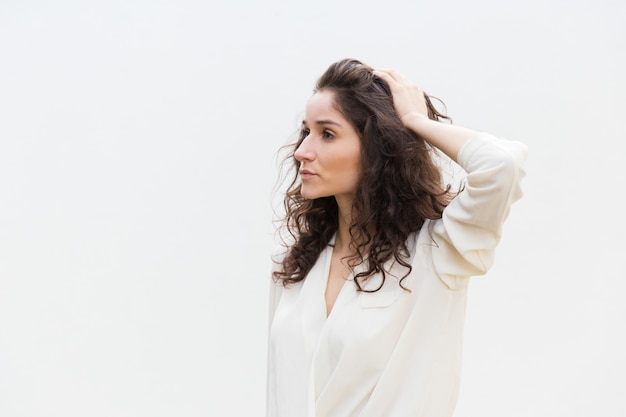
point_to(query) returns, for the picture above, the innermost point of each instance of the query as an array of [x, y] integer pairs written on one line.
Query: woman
[[368, 301]]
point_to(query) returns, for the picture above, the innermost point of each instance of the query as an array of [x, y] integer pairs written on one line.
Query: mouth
[[306, 174]]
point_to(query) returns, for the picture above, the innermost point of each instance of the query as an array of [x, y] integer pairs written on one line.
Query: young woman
[[368, 300]]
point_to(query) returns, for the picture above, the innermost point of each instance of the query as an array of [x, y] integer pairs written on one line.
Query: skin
[[331, 152], [409, 102], [330, 158]]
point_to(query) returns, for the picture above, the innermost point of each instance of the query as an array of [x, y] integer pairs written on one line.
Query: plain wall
[[138, 146]]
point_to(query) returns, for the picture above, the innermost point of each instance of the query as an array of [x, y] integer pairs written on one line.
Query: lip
[[306, 174]]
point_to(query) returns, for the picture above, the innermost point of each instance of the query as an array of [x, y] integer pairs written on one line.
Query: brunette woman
[[368, 300]]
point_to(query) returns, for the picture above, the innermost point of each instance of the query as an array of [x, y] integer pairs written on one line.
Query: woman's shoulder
[[485, 148]]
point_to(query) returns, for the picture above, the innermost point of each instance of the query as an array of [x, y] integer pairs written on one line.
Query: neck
[[343, 240]]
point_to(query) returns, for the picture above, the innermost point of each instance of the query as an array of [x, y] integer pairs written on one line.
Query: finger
[[400, 78], [385, 76], [380, 72], [393, 75], [389, 73]]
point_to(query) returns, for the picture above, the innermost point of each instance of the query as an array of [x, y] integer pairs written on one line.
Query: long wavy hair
[[399, 188]]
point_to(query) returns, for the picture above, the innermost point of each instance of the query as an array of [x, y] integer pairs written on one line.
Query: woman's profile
[[368, 298]]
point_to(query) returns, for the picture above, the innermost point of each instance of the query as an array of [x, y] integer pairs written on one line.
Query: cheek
[[354, 162], [350, 169]]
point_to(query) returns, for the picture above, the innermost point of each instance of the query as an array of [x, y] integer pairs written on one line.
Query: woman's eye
[[328, 135], [304, 133]]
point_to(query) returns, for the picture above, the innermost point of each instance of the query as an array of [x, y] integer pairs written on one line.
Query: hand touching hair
[[399, 188]]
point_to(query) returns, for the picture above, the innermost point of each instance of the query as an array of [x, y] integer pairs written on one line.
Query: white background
[[138, 146]]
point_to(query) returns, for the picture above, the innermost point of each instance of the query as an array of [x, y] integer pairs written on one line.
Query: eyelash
[[326, 134]]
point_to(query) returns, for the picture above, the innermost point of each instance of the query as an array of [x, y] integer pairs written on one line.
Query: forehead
[[321, 106]]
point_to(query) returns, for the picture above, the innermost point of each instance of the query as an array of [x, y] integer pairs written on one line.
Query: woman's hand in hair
[[410, 104], [408, 98]]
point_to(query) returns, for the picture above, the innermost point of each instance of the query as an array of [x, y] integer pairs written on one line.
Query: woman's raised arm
[[411, 107]]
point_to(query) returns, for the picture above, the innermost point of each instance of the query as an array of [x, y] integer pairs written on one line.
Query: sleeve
[[467, 234], [276, 288], [275, 291]]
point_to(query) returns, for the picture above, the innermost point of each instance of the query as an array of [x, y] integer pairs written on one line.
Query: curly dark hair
[[400, 185]]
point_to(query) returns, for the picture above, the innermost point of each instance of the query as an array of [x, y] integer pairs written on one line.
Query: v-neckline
[[330, 250]]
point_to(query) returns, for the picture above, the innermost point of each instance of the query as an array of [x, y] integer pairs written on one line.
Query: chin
[[311, 194]]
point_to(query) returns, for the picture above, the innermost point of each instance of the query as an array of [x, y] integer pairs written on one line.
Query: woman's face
[[330, 153]]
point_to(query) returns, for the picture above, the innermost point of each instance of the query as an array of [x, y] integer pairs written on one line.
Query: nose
[[305, 151]]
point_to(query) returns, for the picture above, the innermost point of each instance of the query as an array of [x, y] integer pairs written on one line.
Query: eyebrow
[[323, 122]]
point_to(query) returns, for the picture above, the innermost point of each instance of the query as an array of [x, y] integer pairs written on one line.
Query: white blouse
[[394, 353]]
